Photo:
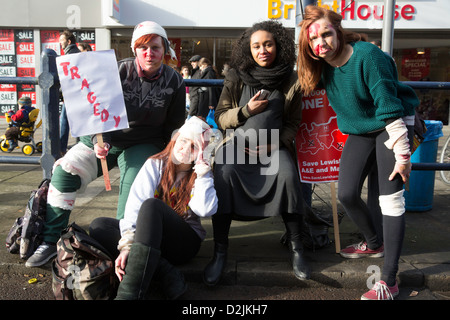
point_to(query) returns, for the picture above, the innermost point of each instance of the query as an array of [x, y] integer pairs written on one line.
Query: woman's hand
[[101, 153], [255, 106], [261, 150], [403, 170], [121, 262]]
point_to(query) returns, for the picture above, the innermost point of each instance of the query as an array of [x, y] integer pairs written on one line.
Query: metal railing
[[48, 81]]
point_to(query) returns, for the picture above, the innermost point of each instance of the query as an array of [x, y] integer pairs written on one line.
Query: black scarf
[[267, 78]]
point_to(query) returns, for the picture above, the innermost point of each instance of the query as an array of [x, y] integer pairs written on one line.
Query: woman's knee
[[392, 204], [102, 226], [151, 210], [348, 196]]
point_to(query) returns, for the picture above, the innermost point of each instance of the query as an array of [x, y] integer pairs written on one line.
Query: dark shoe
[[141, 265], [214, 269], [171, 279], [299, 263], [12, 145], [44, 253]]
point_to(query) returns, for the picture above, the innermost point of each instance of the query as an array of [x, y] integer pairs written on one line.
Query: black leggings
[[157, 226], [359, 155]]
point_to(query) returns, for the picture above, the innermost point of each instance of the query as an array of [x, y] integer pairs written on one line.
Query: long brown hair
[[180, 199], [309, 66]]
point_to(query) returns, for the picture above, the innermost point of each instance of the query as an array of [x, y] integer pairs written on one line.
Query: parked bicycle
[[445, 158]]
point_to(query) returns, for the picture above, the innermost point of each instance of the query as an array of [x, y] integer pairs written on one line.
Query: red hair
[[179, 199], [146, 39]]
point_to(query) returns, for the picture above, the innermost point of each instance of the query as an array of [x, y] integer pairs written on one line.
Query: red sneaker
[[360, 250], [381, 291]]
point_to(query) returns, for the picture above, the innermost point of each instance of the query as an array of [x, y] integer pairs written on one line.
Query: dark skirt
[[262, 189]]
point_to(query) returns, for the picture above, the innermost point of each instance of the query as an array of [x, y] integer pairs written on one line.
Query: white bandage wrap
[[393, 205], [201, 169], [80, 160], [150, 27], [126, 241], [63, 200], [398, 141]]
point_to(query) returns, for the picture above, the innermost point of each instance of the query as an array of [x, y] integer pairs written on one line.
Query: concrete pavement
[[256, 256]]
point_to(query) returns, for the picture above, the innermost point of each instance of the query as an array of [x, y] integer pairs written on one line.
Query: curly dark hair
[[241, 56]]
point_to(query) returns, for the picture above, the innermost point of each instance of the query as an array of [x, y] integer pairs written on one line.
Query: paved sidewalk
[[256, 256]]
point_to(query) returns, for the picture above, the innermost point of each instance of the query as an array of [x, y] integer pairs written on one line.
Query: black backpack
[[25, 234]]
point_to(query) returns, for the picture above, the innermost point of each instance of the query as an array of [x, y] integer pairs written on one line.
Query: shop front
[[209, 28]]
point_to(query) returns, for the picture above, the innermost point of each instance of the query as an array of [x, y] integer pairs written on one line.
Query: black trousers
[[360, 153], [158, 226]]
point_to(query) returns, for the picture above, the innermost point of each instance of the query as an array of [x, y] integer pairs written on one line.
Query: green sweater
[[365, 92]]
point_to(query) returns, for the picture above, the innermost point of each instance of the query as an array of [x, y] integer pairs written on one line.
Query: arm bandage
[[398, 141], [126, 241]]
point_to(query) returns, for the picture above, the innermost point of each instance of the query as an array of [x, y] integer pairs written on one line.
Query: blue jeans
[[63, 129]]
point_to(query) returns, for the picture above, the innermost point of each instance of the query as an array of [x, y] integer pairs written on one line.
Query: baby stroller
[[26, 134]]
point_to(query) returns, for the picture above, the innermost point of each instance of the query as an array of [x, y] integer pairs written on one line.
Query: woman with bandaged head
[[161, 226]]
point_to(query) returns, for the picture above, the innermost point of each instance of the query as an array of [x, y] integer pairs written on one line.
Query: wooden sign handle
[[104, 164], [337, 239]]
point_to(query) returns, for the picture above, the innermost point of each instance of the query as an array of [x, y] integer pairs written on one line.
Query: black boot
[[141, 265], [12, 145], [214, 269], [299, 263], [171, 279], [293, 223]]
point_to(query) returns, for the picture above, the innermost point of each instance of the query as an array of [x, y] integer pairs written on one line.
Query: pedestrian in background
[[84, 47], [193, 91], [68, 43], [377, 112], [186, 73], [207, 96]]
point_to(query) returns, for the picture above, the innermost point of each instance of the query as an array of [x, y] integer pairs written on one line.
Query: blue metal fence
[[49, 83]]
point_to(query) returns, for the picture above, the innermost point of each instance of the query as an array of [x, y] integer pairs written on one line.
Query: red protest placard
[[319, 142]]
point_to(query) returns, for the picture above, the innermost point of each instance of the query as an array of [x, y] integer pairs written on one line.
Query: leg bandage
[[393, 204], [63, 200], [80, 160], [398, 141]]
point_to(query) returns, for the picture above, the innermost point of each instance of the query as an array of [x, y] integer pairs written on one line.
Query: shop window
[[427, 64]]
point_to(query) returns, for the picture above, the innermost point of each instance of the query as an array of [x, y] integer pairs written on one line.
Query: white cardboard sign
[[92, 92]]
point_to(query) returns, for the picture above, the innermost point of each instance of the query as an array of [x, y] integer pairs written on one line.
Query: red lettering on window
[[407, 12], [350, 9], [361, 9], [375, 13]]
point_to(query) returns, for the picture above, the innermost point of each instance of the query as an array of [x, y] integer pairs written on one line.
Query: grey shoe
[[42, 255]]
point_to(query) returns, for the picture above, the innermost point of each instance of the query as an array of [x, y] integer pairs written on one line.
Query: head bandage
[[195, 128], [150, 27]]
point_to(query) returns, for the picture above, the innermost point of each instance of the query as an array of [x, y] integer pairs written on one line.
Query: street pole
[[300, 6], [387, 36]]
